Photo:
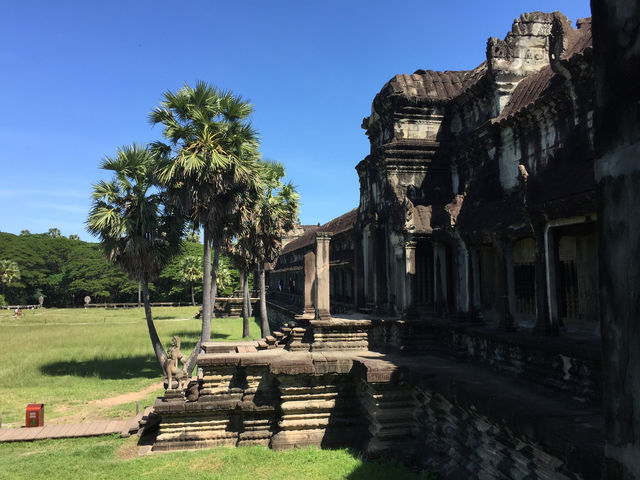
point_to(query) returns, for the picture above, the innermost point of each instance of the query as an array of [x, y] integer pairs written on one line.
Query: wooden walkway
[[68, 430]]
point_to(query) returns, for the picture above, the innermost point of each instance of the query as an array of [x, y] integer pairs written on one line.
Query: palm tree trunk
[[205, 332], [264, 320], [214, 278], [158, 349], [193, 299], [244, 279], [205, 335], [256, 284]]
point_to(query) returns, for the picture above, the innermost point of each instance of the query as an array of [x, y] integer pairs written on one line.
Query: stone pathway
[[68, 430]]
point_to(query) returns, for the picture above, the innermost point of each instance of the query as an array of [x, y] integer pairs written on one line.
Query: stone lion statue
[[172, 369]]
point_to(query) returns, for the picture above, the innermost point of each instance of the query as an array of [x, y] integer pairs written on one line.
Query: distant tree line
[[65, 270]]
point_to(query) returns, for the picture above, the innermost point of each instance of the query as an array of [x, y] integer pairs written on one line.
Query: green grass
[[67, 358], [113, 457]]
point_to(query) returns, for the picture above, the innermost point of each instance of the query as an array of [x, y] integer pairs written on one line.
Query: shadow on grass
[[112, 369], [189, 338]]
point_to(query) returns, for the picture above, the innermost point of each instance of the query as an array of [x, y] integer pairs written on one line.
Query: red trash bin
[[35, 415]]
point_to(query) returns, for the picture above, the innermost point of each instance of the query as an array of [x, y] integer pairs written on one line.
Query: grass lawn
[[114, 457], [70, 359]]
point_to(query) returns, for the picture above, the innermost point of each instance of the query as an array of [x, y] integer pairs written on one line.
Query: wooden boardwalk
[[68, 430]]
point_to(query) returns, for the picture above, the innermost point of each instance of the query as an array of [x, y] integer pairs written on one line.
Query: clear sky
[[80, 77]]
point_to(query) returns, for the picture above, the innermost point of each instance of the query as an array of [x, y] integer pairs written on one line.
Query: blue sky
[[79, 79]]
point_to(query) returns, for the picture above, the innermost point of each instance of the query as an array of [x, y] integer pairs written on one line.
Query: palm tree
[[137, 230], [241, 257], [276, 211], [191, 272], [206, 167]]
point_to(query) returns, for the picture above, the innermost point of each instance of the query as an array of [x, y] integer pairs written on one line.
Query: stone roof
[[426, 85], [337, 225], [305, 239], [429, 86], [529, 90]]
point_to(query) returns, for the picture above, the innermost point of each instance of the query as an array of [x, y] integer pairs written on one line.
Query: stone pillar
[[410, 279], [309, 282], [323, 298], [553, 283], [511, 281], [543, 324], [358, 274], [464, 288], [368, 266], [440, 277], [505, 318], [475, 271], [616, 60]]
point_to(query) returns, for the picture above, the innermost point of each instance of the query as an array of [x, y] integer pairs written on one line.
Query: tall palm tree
[[206, 167], [137, 230]]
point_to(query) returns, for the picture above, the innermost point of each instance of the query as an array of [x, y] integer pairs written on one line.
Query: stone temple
[[470, 312]]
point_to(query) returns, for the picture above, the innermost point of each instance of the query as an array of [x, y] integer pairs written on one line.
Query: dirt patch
[[126, 397], [92, 410], [26, 454], [129, 450], [205, 464]]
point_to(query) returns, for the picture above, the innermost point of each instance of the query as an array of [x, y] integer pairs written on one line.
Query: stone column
[[510, 276], [357, 273], [309, 282], [505, 317], [543, 324], [475, 271], [323, 298], [410, 278], [464, 287], [440, 277], [553, 283], [617, 139], [368, 266]]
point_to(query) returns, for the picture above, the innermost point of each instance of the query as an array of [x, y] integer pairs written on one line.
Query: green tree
[[191, 269], [273, 213], [9, 272], [25, 232], [136, 229], [54, 233], [193, 234], [73, 236], [242, 258], [206, 168]]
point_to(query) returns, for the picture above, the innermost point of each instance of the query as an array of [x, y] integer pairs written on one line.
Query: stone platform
[[463, 420]]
